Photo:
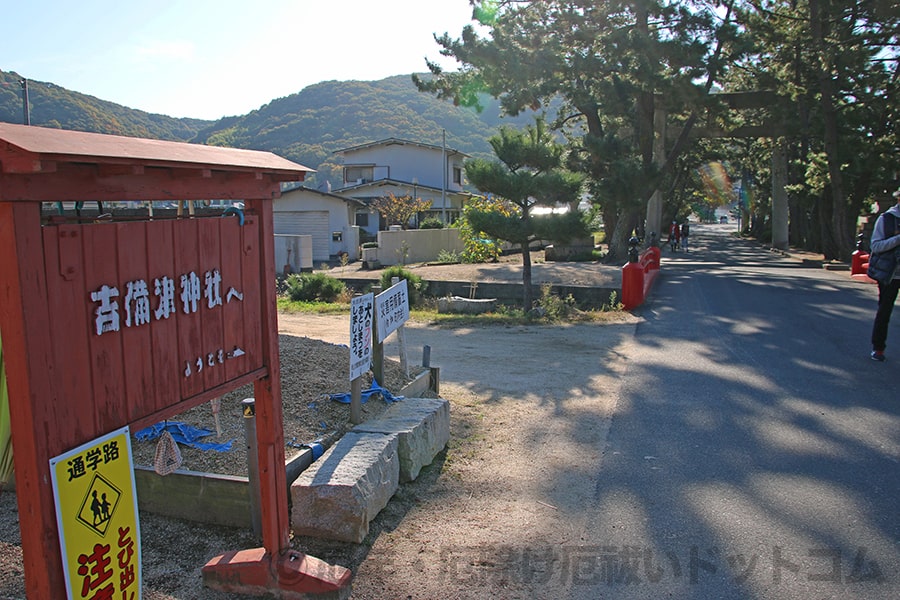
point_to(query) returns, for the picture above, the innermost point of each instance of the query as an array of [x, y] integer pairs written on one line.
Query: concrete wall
[[506, 293], [424, 245], [294, 251]]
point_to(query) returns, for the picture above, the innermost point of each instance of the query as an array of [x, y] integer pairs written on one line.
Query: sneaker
[[876, 355]]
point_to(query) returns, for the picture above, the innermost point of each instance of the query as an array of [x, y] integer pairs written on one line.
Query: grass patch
[[320, 308], [561, 311]]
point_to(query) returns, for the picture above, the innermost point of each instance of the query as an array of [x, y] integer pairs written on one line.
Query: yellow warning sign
[[96, 511]]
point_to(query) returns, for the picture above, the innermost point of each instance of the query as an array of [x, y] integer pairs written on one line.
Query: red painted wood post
[[269, 416], [27, 352], [68, 383]]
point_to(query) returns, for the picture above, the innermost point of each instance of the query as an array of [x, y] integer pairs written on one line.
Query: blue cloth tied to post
[[183, 434], [375, 389]]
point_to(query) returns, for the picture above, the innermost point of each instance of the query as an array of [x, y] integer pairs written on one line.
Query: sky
[[209, 59]]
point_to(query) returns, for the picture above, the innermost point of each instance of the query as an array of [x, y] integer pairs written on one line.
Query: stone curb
[[339, 495], [343, 491]]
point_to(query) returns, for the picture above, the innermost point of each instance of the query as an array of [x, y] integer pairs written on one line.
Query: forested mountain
[[306, 127], [54, 106], [309, 126]]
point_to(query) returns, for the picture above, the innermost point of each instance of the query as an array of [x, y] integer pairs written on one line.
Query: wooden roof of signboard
[[57, 145], [51, 165]]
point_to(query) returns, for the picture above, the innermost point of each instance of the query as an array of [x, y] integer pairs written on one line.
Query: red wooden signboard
[[152, 300]]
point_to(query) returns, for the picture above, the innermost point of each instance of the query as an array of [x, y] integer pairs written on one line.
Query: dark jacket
[[885, 246]]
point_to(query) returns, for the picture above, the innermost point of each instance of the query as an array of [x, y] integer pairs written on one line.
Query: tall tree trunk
[[527, 296], [618, 245], [837, 243]]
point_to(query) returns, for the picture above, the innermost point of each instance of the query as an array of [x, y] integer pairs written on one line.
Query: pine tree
[[528, 174]]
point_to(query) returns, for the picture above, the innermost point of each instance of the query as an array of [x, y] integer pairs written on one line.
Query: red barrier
[[638, 277], [859, 265]]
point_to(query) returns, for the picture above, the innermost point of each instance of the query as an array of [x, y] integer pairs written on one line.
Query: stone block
[[422, 427], [469, 306], [346, 488]]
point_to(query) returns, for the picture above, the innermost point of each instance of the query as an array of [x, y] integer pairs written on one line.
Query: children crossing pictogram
[[99, 504]]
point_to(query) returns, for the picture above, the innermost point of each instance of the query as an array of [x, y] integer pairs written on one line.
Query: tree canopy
[[639, 81], [613, 65], [399, 210]]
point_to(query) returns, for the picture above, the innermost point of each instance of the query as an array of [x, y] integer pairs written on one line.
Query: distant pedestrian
[[885, 269], [685, 233], [674, 236]]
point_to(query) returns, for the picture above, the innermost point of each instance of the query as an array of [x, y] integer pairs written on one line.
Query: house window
[[354, 174], [362, 219], [457, 175]]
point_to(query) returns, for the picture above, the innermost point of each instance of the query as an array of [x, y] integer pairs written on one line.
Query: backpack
[[883, 264]]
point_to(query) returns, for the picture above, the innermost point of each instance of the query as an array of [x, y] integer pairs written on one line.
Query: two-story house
[[404, 168]]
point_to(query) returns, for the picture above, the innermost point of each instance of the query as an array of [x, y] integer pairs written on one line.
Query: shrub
[[478, 246], [281, 286], [414, 284], [554, 307], [448, 256], [431, 223], [369, 245], [314, 287]]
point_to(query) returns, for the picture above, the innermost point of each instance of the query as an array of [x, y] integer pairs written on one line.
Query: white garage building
[[328, 219]]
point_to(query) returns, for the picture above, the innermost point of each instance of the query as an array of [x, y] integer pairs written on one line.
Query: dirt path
[[530, 410]]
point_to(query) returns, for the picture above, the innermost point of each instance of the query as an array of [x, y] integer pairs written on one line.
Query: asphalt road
[[754, 449]]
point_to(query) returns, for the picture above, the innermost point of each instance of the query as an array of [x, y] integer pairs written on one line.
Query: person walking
[[685, 233], [674, 236], [885, 269]]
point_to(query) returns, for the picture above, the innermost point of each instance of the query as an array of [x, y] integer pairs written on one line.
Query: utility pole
[[444, 179], [26, 116]]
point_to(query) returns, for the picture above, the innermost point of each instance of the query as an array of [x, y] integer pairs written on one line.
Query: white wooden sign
[[391, 309], [361, 308]]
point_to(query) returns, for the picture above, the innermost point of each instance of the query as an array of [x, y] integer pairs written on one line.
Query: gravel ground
[[311, 370]]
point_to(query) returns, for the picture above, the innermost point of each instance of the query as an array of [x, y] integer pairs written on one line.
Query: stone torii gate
[[74, 374]]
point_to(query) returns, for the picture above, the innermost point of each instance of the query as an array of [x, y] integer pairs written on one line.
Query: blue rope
[[235, 211], [375, 389]]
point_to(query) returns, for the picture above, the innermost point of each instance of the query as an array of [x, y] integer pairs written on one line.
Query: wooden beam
[[105, 170], [81, 183]]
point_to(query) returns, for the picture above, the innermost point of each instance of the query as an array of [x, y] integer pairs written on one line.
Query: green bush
[[448, 256], [554, 307], [314, 287], [414, 284], [431, 223]]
